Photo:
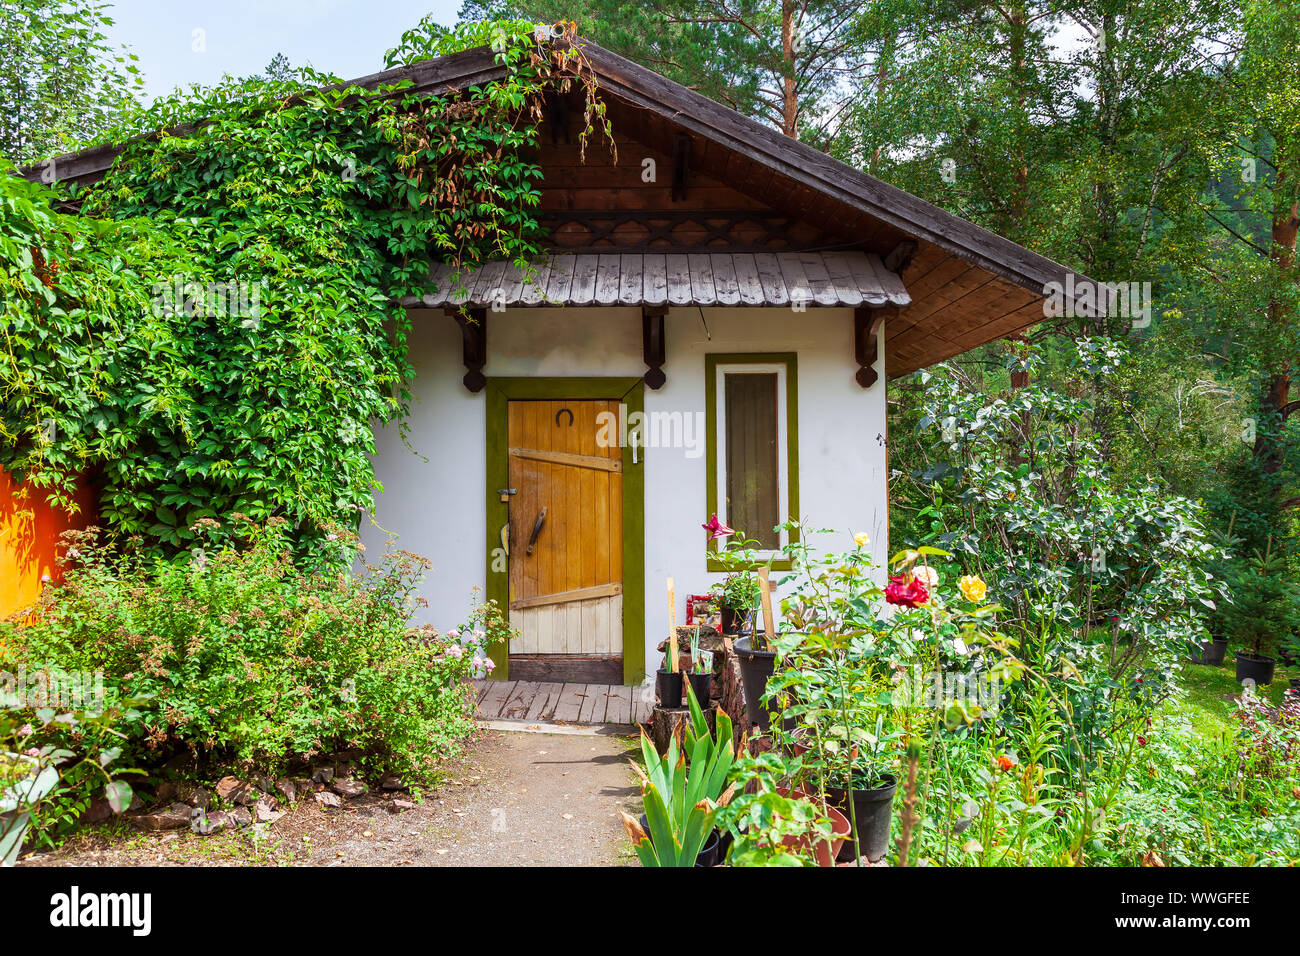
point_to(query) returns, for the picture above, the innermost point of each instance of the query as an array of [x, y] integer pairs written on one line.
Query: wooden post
[[670, 665], [765, 589]]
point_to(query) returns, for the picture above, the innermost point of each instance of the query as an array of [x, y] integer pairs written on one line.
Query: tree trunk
[[789, 90]]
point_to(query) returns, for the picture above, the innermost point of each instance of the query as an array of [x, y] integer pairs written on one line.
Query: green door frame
[[631, 392]]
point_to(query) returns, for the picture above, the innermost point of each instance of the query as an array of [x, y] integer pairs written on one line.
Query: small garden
[[220, 690], [1042, 683]]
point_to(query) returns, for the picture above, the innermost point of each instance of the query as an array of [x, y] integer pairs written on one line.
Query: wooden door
[[566, 543]]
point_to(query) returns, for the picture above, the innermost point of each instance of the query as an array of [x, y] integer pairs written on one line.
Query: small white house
[[712, 335]]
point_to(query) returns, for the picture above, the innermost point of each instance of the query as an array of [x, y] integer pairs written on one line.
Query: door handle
[[537, 529]]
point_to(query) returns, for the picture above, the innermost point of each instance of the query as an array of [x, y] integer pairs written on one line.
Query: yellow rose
[[861, 539], [972, 588]]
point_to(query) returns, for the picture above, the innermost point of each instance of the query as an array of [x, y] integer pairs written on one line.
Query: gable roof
[[966, 285]]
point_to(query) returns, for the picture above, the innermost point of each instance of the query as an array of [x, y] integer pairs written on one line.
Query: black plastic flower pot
[[1295, 683], [734, 619], [1258, 669], [668, 687], [710, 853], [755, 668], [702, 685], [873, 810], [1212, 652]]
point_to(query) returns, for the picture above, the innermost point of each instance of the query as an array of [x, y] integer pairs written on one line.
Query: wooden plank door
[[566, 543]]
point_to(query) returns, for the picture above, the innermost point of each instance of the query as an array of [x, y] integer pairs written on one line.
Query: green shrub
[[246, 658]]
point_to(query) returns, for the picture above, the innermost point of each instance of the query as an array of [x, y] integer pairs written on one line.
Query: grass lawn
[[1211, 690]]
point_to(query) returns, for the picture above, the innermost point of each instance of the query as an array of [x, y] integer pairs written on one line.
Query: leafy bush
[[52, 761], [244, 657], [1018, 488]]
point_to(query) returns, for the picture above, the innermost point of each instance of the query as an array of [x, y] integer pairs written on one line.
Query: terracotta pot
[[825, 851]]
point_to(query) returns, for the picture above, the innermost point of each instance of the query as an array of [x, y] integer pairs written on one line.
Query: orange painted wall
[[29, 539]]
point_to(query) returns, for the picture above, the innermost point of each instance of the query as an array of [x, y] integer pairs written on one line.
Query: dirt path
[[514, 799]]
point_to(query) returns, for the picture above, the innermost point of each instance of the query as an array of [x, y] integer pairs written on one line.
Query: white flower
[[926, 575]]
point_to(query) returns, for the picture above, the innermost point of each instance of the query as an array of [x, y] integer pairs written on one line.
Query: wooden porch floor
[[534, 701]]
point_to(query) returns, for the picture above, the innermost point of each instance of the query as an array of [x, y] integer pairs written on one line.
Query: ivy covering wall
[[215, 327]]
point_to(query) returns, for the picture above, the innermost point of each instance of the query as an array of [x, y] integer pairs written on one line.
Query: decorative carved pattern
[[636, 230]]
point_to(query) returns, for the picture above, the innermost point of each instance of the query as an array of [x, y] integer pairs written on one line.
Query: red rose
[[907, 593]]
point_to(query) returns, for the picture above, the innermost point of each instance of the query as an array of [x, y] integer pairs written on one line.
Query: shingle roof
[[717, 278]]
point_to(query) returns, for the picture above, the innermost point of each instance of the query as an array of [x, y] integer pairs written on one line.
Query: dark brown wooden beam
[[652, 344], [866, 325], [473, 333]]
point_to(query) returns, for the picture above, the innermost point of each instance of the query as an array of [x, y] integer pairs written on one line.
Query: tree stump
[[665, 722]]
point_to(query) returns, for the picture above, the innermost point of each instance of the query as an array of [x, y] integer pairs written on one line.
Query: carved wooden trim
[[866, 325], [711, 230], [473, 334], [652, 344]]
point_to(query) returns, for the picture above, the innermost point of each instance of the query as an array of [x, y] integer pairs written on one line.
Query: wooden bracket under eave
[[652, 344], [473, 336], [866, 326], [900, 257]]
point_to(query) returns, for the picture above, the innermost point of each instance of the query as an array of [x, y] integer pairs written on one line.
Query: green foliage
[[221, 326], [1264, 607], [1017, 487], [738, 588], [242, 656], [793, 66], [60, 81], [53, 759]]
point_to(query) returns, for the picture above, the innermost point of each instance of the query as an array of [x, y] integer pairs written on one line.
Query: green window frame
[[715, 366]]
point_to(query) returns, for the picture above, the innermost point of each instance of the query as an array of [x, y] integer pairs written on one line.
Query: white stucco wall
[[434, 489]]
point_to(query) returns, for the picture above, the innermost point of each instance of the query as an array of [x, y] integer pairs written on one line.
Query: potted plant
[[774, 822], [866, 780], [701, 674], [1265, 608], [736, 595], [757, 659], [683, 791], [1215, 649], [668, 679], [839, 655]]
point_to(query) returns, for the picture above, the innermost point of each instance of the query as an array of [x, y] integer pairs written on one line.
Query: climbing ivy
[[219, 327]]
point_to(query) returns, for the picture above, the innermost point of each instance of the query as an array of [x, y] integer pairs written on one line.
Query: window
[[751, 424]]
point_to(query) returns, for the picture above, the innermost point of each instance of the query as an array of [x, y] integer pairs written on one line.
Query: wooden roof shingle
[[822, 279]]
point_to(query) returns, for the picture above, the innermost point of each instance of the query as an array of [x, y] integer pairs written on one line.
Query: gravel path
[[514, 799]]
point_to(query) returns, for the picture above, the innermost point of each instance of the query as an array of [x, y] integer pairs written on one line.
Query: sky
[[345, 37]]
